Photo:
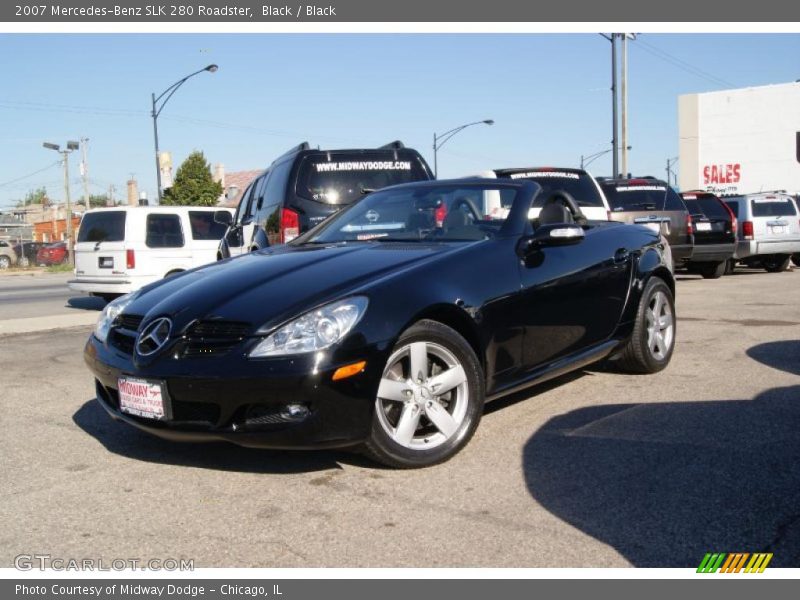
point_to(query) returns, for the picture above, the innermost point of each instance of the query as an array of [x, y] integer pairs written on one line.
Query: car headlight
[[313, 331], [110, 312]]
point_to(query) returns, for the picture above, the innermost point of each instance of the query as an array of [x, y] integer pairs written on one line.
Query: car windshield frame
[[514, 222]]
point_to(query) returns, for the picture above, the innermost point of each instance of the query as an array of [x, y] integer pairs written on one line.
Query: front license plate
[[141, 398], [703, 226]]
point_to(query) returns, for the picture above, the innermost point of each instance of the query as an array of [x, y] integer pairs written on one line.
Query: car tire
[[775, 263], [796, 259], [730, 266], [5, 262], [412, 426], [24, 262], [713, 270], [652, 342]]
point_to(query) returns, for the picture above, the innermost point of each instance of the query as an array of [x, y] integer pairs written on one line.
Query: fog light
[[294, 412]]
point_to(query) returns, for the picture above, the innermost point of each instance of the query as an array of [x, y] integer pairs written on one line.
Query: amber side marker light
[[349, 370]]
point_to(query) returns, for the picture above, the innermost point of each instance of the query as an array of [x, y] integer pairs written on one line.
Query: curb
[[36, 324]]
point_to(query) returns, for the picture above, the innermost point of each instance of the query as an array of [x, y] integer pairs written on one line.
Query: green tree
[[37, 196], [194, 185], [96, 200]]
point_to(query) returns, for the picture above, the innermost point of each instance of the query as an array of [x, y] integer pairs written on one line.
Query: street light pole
[[65, 155], [156, 110], [587, 160], [614, 102], [441, 139]]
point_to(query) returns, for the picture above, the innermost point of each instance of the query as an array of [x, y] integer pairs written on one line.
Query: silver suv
[[769, 229], [8, 258]]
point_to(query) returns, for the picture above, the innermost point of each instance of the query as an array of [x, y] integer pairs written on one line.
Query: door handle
[[621, 255]]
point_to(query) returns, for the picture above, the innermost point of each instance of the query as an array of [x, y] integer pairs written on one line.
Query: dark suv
[[714, 234], [653, 203], [304, 186]]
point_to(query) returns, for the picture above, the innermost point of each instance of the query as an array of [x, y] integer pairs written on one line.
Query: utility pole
[[85, 173], [110, 199], [614, 103], [624, 104], [70, 252]]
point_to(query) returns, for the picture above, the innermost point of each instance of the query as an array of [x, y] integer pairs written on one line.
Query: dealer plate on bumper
[[142, 398]]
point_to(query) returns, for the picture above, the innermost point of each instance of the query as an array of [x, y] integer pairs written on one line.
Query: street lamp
[[587, 160], [671, 163], [441, 139], [157, 111], [71, 146]]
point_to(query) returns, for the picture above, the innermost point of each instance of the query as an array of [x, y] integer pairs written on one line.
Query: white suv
[[769, 229]]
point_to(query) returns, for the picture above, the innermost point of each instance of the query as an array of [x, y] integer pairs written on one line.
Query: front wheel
[[650, 346], [5, 262], [775, 263], [430, 398]]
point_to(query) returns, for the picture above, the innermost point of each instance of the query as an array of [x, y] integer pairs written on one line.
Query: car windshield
[[636, 196], [341, 178], [578, 184], [773, 207], [412, 214], [104, 226]]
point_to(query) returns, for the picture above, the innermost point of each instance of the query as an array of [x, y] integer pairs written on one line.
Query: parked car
[[769, 229], [8, 258], [26, 252], [653, 203], [304, 186], [560, 181], [52, 254], [383, 328], [714, 234], [121, 249]]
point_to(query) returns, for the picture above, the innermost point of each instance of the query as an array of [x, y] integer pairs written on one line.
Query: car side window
[[733, 205], [164, 231], [203, 225], [244, 204], [274, 196], [673, 201]]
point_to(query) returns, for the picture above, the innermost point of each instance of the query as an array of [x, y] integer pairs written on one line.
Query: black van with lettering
[[304, 186]]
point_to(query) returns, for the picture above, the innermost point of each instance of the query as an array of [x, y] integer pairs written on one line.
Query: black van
[[304, 186]]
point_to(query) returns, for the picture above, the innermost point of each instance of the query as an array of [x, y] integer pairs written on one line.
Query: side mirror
[[223, 217], [555, 234]]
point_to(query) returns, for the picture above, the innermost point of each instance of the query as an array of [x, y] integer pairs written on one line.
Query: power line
[[681, 64], [50, 166]]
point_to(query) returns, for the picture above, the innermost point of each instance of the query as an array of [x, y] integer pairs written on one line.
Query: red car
[[52, 254]]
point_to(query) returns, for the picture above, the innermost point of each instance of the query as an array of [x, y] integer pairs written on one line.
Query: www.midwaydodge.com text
[[254, 591], [174, 10]]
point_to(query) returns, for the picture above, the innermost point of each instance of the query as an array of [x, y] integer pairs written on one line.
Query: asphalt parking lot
[[595, 469]]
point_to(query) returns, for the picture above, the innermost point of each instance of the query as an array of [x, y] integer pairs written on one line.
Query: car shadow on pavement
[[664, 483], [783, 355], [86, 303], [125, 440]]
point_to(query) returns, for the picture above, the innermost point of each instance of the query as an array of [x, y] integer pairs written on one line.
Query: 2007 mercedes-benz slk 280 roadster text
[[389, 324]]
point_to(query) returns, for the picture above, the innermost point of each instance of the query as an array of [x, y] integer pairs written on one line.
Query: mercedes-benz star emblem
[[153, 336]]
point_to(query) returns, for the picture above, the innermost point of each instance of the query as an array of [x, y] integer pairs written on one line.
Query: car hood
[[268, 287]]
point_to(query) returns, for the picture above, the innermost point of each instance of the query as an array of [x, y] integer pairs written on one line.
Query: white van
[[120, 249]]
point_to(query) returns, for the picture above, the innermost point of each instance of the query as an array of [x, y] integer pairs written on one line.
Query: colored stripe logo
[[734, 562]]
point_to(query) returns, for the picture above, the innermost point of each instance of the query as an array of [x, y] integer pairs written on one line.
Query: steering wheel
[[463, 200], [566, 199]]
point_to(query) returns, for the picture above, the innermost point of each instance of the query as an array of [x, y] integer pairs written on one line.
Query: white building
[[741, 141]]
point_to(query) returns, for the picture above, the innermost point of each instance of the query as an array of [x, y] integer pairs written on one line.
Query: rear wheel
[[430, 398], [5, 262], [730, 266], [713, 270], [650, 346], [775, 263], [796, 259]]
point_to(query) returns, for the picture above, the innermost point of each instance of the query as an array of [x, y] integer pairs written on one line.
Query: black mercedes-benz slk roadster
[[388, 325]]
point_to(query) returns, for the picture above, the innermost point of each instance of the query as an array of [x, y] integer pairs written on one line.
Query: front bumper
[[236, 399]]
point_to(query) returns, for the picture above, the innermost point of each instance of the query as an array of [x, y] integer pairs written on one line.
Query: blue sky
[[549, 96]]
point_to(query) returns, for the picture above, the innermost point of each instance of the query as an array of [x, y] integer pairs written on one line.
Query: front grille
[[123, 340], [195, 412], [129, 322], [209, 338]]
